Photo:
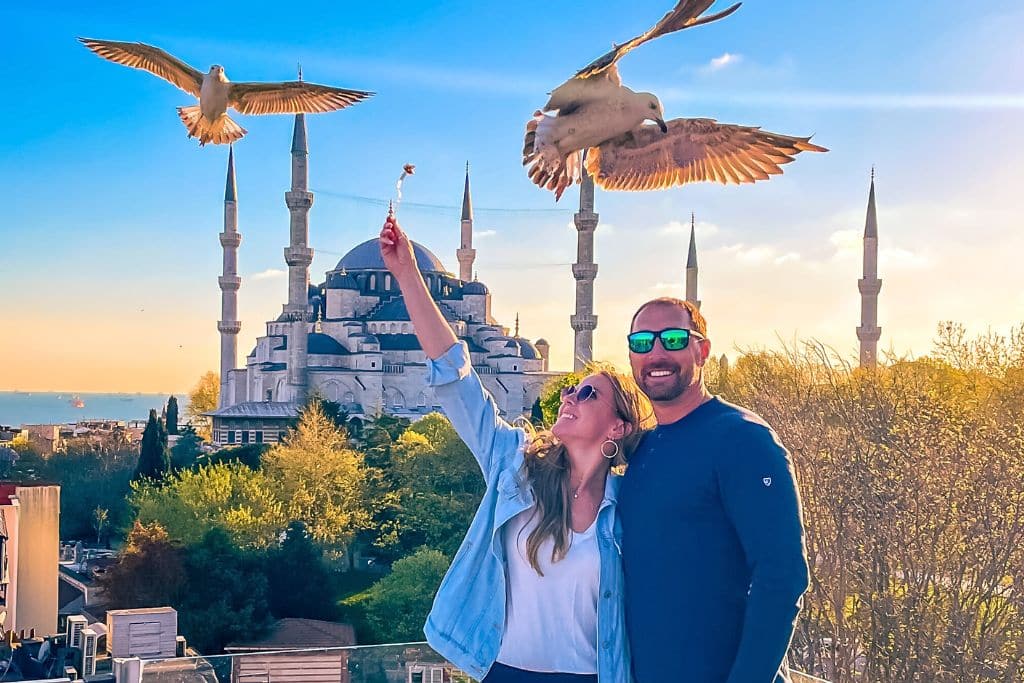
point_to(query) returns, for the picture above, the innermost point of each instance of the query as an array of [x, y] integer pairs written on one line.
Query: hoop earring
[[614, 453]]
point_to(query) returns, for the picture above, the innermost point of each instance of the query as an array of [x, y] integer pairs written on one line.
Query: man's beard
[[664, 392]]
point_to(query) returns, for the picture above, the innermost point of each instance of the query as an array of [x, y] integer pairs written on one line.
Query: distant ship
[[76, 402]]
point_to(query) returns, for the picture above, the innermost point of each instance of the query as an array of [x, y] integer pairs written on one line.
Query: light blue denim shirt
[[467, 620]]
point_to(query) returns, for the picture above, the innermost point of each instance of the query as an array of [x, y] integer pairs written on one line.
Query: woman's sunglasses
[[672, 339], [579, 393]]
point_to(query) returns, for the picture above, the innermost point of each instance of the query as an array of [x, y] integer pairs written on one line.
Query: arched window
[[394, 328], [373, 281], [387, 281]]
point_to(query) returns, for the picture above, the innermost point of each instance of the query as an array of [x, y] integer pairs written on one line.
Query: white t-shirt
[[551, 620]]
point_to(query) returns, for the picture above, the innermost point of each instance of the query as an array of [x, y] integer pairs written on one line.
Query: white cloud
[[483, 234], [268, 274], [788, 257], [722, 61]]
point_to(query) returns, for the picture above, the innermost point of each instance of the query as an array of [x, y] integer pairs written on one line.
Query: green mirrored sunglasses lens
[[641, 342], [675, 340]]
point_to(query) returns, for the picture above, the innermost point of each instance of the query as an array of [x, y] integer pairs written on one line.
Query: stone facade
[[350, 339]]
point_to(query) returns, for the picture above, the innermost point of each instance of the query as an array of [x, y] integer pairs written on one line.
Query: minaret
[[298, 256], [869, 332], [466, 254], [585, 271], [229, 325], [691, 265]]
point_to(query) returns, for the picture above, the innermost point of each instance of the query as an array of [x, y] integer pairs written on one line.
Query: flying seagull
[[208, 120], [593, 119]]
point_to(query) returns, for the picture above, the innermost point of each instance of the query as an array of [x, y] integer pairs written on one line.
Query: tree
[[321, 481], [100, 517], [148, 573], [203, 399], [911, 485], [226, 599], [396, 607], [188, 447], [300, 582], [172, 415], [153, 456], [245, 503], [437, 486]]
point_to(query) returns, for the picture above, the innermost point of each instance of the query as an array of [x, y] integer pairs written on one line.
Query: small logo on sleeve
[[767, 481]]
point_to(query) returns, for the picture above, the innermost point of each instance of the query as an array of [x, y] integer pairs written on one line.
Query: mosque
[[349, 339]]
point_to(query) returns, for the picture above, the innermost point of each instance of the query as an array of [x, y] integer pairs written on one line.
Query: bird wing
[[693, 150], [685, 14], [575, 92], [547, 173], [292, 97], [152, 59]]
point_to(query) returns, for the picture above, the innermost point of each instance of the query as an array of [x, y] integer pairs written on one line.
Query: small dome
[[541, 342], [526, 349], [366, 256], [475, 288]]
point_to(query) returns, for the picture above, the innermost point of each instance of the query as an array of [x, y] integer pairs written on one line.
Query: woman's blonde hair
[[547, 463]]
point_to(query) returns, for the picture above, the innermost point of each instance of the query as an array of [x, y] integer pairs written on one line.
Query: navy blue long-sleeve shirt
[[713, 550]]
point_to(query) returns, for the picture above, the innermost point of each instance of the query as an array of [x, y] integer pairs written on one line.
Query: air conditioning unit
[[76, 624], [89, 641]]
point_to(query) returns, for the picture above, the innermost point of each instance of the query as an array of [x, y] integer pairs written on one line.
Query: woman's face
[[587, 415]]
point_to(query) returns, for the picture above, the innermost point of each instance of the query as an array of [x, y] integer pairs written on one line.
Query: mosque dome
[[366, 256], [474, 288]]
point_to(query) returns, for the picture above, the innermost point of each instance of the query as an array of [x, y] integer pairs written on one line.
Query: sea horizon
[[60, 407]]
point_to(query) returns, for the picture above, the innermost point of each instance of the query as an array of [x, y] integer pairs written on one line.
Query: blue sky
[[110, 216]]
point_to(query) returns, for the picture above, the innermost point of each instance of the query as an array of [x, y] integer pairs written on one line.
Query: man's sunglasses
[[579, 393], [672, 339]]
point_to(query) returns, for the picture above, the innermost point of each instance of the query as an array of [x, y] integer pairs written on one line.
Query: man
[[713, 547]]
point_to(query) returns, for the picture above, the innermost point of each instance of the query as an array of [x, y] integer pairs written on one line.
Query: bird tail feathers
[[221, 131]]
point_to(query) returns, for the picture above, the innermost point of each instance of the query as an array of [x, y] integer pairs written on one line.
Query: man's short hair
[[699, 323]]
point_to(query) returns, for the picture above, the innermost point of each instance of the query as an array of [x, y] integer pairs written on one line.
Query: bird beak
[[661, 124]]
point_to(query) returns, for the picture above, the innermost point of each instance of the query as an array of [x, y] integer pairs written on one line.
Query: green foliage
[[245, 503], [154, 460], [149, 571], [89, 478], [396, 607], [187, 449], [226, 598], [320, 479], [172, 415], [250, 455], [436, 488], [300, 582]]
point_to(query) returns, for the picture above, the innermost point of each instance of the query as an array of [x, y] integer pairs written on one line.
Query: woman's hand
[[396, 250]]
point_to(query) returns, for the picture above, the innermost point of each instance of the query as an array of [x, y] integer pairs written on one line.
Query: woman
[[534, 593]]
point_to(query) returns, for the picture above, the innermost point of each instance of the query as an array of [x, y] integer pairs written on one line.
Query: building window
[[269, 395], [515, 368], [231, 436], [259, 436], [373, 364], [387, 281], [245, 436], [373, 281]]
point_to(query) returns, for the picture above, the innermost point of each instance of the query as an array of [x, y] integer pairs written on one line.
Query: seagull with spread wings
[[208, 120], [593, 119]]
